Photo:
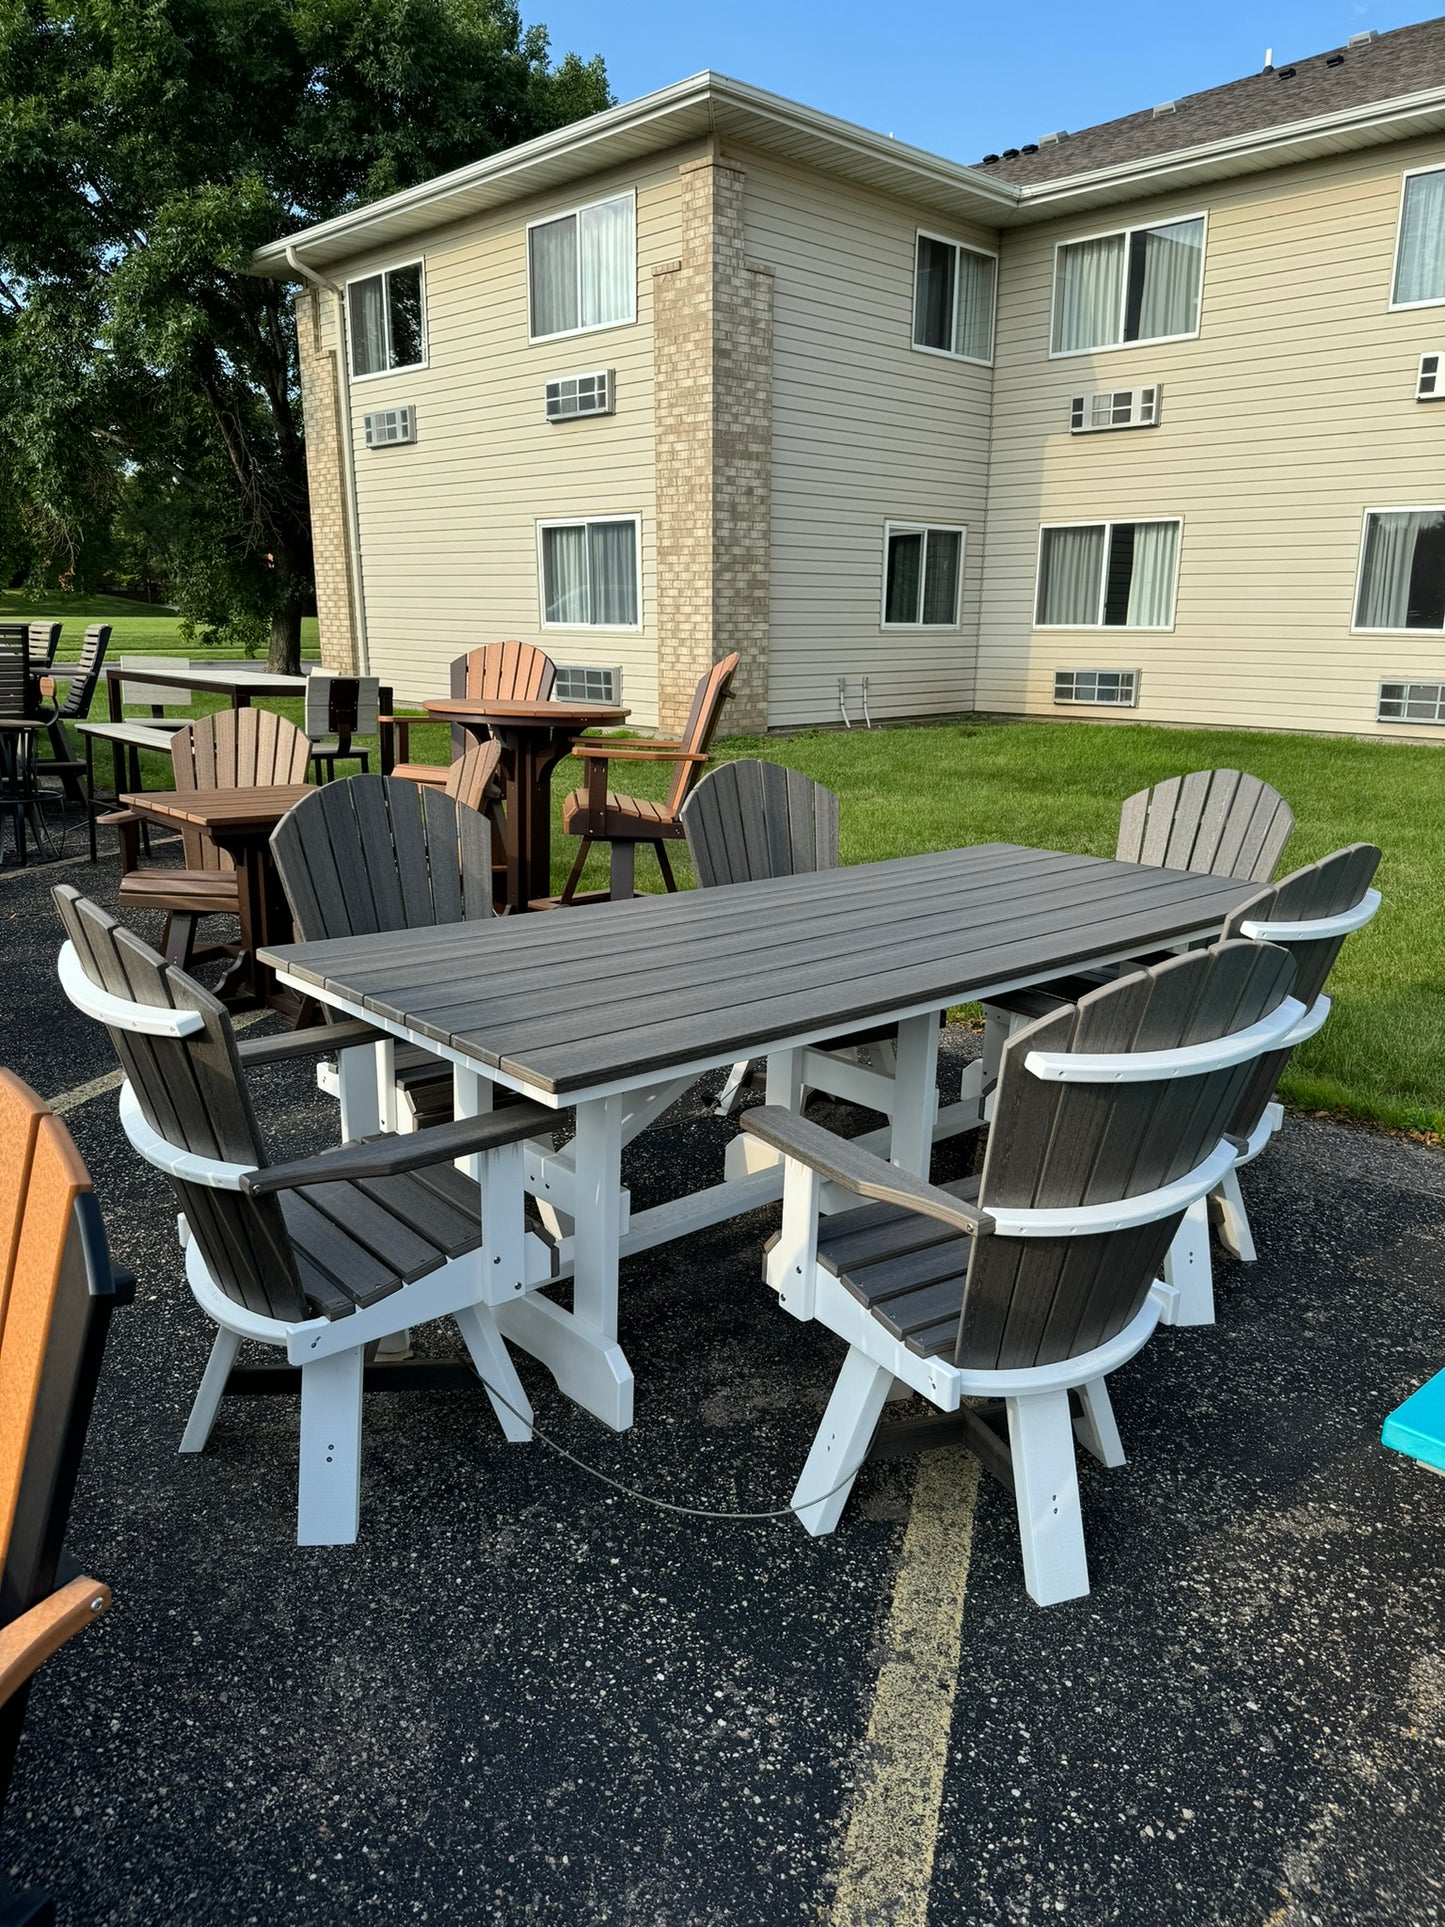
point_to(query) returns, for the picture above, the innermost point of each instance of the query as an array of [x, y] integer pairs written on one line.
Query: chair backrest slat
[[1218, 821], [701, 727], [44, 638], [750, 819], [474, 773], [1034, 1300], [379, 853], [234, 749]]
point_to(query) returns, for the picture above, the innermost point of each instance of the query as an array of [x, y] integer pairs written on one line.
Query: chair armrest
[[27, 1642], [627, 752], [857, 1170], [395, 1152], [311, 1042], [114, 818]]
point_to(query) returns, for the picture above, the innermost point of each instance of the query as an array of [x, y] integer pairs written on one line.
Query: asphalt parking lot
[[524, 1697]]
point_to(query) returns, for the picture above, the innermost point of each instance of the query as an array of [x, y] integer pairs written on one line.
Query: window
[[1420, 249], [923, 573], [1114, 688], [582, 683], [1141, 285], [1107, 575], [1411, 702], [589, 574], [953, 299], [385, 321], [581, 269], [1402, 570]]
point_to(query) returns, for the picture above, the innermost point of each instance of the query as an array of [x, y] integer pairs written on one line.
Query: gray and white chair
[[1032, 1282], [323, 1257]]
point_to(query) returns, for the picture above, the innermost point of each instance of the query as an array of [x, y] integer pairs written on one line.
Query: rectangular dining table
[[619, 1011]]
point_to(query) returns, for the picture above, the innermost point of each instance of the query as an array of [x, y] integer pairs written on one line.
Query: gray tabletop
[[575, 999]]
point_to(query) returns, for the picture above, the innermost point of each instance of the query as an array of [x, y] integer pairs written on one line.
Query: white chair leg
[[395, 1346], [1186, 1295], [842, 1440], [328, 1507], [1232, 1219], [1095, 1428], [496, 1371], [1046, 1492], [212, 1388], [728, 1096]]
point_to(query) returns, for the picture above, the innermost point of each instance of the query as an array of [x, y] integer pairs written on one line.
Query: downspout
[[348, 465]]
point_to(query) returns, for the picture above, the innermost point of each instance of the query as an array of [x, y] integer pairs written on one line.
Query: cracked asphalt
[[524, 1698]]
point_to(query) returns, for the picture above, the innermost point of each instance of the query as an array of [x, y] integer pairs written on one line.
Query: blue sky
[[964, 80]]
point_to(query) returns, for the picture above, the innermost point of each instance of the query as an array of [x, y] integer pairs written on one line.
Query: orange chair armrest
[[113, 817], [27, 1642], [635, 752]]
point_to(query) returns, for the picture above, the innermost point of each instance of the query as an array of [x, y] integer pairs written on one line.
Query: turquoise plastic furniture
[[1417, 1428]]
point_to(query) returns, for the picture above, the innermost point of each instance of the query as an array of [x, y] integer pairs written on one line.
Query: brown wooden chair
[[599, 815], [57, 1293], [234, 749], [499, 671]]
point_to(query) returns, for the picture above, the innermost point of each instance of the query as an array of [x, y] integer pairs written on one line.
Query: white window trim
[[891, 529], [1429, 508], [1406, 307], [562, 214], [1108, 524], [948, 354], [588, 628], [1144, 341], [390, 267]]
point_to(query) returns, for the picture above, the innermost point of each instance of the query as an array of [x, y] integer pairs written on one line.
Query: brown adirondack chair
[[502, 671], [57, 1293], [234, 749], [599, 815]]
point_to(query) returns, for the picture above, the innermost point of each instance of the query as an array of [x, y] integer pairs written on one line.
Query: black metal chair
[[20, 799], [337, 709], [74, 706]]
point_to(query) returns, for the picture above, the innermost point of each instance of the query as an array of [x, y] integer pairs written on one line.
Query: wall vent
[[577, 395], [582, 683], [1430, 382], [1116, 688], [1116, 408], [390, 427], [1164, 107], [1363, 39], [1411, 702], [1053, 139]]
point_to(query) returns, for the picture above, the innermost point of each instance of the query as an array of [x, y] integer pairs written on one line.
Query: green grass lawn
[[138, 630], [1381, 1057]]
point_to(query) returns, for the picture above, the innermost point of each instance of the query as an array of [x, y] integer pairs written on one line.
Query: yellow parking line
[[893, 1826]]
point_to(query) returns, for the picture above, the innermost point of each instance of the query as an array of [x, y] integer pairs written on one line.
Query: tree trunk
[[284, 655]]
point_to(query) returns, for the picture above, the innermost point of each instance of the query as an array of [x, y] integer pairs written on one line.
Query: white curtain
[[1420, 274], [975, 305], [608, 275], [553, 264], [1169, 303], [1389, 564], [1151, 586], [1070, 570], [564, 574], [1090, 293], [368, 326], [613, 556]]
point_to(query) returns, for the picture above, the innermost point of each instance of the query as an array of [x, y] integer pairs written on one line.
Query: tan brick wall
[[713, 356], [331, 551]]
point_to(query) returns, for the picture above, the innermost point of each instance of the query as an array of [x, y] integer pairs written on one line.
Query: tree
[[147, 147]]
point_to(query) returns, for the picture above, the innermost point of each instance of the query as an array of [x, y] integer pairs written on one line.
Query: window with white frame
[[922, 576], [589, 573], [582, 268], [1107, 575], [1411, 702], [1138, 285], [953, 299], [1402, 570], [385, 319], [1420, 248]]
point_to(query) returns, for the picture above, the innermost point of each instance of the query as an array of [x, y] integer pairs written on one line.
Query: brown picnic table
[[535, 736]]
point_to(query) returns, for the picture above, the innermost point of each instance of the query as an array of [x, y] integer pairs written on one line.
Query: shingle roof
[[1406, 61]]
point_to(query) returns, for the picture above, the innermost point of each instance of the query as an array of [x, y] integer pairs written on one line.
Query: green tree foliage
[[148, 381]]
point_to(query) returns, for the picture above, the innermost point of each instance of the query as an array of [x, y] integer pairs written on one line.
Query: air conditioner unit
[[583, 683], [577, 395], [390, 427], [1428, 383], [1116, 408]]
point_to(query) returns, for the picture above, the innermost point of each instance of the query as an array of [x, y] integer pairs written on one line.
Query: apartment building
[[1133, 423]]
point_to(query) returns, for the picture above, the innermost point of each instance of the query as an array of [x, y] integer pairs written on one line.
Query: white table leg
[[358, 1086], [915, 1103]]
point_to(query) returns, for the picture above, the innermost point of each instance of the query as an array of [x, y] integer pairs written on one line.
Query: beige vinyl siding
[[1290, 415], [448, 527], [866, 430]]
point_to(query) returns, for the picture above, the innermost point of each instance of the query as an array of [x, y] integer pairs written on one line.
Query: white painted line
[[893, 1825], [98, 1086]]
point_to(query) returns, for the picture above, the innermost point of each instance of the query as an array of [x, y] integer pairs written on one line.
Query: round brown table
[[534, 736]]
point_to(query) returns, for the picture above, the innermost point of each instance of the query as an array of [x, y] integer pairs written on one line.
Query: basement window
[[1411, 702]]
